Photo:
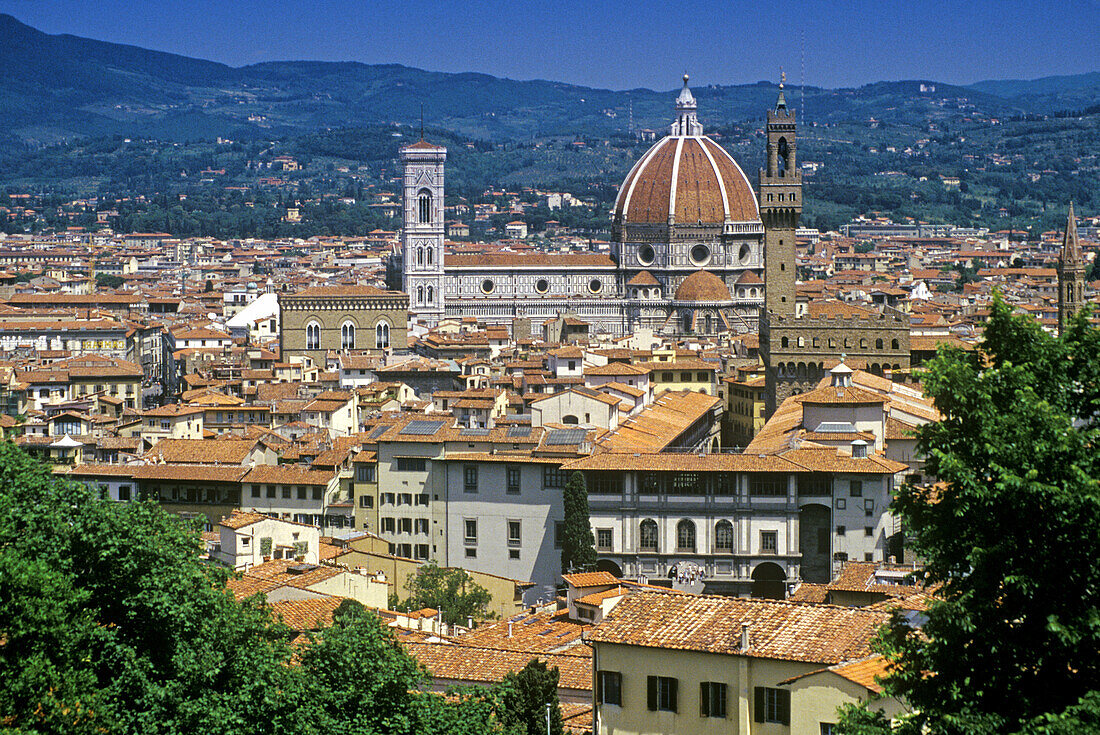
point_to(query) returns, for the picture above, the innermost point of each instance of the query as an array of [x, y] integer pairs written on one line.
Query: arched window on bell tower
[[783, 153], [424, 204]]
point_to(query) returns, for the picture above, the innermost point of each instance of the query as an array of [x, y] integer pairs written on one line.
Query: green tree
[[578, 547], [524, 696], [453, 591], [379, 697], [108, 280], [110, 622], [1009, 538]]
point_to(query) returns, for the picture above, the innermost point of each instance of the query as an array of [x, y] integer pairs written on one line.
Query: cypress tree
[[578, 546]]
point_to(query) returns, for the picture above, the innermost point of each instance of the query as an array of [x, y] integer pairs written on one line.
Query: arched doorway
[[814, 542], [606, 565], [769, 581]]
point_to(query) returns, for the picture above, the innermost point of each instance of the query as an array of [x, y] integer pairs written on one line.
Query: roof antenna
[[802, 82]]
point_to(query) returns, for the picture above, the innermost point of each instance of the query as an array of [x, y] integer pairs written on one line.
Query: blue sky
[[612, 44]]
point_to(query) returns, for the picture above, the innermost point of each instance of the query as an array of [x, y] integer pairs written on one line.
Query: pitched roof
[[777, 630], [461, 662], [590, 579]]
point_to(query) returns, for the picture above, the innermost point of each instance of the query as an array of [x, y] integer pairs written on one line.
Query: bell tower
[[780, 208], [422, 231], [1071, 274]]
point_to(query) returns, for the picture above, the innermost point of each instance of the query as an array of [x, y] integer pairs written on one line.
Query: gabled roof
[[779, 630]]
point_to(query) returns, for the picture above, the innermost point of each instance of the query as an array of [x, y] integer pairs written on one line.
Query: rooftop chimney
[[509, 628], [744, 637]]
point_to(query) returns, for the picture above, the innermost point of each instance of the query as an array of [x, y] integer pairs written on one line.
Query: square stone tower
[[422, 232]]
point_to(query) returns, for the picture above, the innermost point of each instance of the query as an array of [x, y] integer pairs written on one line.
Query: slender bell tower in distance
[[422, 231], [780, 209]]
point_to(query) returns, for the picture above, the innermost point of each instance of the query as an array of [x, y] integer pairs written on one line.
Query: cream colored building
[[249, 539], [677, 663]]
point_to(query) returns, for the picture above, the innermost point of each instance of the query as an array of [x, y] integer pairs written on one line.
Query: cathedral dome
[[686, 178], [702, 286]]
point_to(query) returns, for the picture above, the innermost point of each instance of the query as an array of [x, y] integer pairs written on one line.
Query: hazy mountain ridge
[[57, 87]]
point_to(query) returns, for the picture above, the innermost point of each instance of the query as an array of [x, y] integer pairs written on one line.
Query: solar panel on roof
[[423, 428], [467, 431], [519, 431], [377, 432], [566, 436]]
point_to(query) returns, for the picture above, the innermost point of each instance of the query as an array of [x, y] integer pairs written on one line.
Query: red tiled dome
[[710, 187], [702, 286]]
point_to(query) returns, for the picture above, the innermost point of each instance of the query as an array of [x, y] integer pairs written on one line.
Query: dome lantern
[[686, 121]]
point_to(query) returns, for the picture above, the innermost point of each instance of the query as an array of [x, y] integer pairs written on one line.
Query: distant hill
[[59, 87]]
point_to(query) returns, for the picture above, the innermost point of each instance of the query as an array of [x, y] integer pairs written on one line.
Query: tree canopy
[[453, 591], [111, 623], [1009, 538]]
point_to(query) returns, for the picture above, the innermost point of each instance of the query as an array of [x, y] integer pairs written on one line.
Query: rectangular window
[[364, 473], [123, 492], [772, 705], [388, 525], [422, 499], [702, 377], [405, 499], [841, 530], [470, 531], [605, 483], [768, 484], [815, 483], [559, 529], [301, 492], [469, 473], [411, 464], [662, 693], [769, 542], [712, 699], [271, 491], [318, 493], [603, 539], [554, 477], [366, 501], [420, 551], [869, 531], [827, 728], [286, 491], [405, 525], [514, 533], [856, 488], [609, 687], [255, 491], [513, 477], [471, 552], [421, 526]]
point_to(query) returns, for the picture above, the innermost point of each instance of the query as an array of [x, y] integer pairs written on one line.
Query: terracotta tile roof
[[832, 395], [590, 579], [190, 472], [809, 592], [643, 278], [864, 671], [532, 632], [598, 597], [302, 615], [203, 451], [659, 424], [777, 630], [239, 519], [476, 664], [276, 571]]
